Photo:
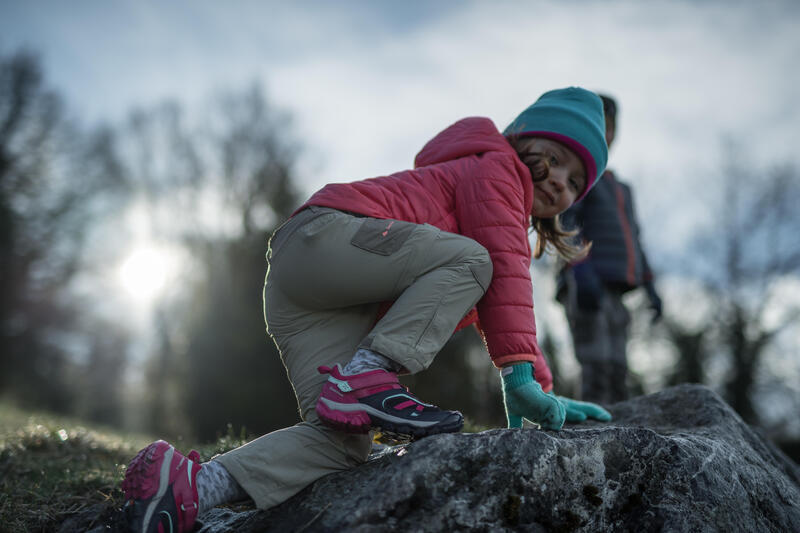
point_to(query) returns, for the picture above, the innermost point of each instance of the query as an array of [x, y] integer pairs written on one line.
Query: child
[[369, 279]]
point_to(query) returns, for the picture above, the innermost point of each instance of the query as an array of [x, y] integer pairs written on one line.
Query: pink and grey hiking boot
[[376, 400], [161, 491]]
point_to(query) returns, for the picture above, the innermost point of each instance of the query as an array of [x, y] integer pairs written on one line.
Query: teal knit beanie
[[574, 117]]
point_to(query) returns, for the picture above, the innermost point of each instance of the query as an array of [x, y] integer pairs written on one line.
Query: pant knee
[[480, 265]]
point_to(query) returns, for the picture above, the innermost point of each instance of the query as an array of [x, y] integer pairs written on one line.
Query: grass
[[52, 468], [471, 426], [55, 469]]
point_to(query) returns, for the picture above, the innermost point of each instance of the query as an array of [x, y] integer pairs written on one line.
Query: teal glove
[[524, 398], [580, 411]]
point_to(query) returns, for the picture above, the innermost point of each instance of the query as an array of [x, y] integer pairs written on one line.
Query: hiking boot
[[376, 400], [160, 488]]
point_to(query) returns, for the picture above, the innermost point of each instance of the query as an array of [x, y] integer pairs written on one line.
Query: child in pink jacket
[[369, 279]]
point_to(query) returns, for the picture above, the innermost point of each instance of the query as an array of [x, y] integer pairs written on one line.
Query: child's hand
[[580, 411], [524, 398]]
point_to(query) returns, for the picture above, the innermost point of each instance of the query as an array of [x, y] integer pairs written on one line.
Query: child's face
[[564, 182]]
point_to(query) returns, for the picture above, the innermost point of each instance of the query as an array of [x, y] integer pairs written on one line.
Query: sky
[[367, 83]]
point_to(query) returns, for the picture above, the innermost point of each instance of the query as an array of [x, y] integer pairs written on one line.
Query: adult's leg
[[618, 320], [590, 342]]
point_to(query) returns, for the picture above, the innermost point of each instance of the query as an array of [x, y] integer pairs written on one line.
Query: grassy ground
[[57, 471], [54, 469]]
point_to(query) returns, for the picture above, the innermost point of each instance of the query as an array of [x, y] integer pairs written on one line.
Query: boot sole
[[361, 418]]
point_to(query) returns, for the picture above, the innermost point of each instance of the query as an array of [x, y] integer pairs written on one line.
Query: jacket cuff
[[541, 373], [504, 360]]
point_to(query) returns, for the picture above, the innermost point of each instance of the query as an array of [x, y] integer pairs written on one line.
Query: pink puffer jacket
[[468, 180]]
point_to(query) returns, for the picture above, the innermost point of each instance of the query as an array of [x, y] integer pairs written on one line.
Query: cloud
[[685, 74], [369, 83]]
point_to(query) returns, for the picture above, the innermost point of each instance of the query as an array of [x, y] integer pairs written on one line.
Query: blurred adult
[[592, 289]]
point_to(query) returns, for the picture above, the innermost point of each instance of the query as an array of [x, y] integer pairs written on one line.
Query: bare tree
[[742, 262], [216, 186], [690, 344], [53, 180]]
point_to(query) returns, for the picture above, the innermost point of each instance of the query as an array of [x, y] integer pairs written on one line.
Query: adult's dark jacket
[[607, 218]]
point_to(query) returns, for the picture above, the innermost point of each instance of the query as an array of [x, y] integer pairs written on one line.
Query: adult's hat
[[574, 117]]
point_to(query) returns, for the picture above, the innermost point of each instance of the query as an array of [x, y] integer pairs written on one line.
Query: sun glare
[[143, 274]]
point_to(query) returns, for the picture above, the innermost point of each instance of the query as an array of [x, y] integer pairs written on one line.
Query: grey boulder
[[677, 460]]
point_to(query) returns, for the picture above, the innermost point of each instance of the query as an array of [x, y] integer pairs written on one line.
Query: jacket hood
[[469, 136]]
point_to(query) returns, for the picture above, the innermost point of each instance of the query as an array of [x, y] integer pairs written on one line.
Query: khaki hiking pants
[[328, 273]]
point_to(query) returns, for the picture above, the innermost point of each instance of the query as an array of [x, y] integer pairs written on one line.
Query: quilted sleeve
[[490, 209]]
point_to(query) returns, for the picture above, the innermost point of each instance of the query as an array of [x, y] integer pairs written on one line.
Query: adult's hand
[[655, 301]]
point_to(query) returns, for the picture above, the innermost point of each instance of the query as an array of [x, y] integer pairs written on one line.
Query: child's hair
[[549, 231]]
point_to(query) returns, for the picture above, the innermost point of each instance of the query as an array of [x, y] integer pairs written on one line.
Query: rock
[[677, 460]]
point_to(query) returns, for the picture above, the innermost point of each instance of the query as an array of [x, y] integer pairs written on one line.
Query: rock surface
[[678, 460]]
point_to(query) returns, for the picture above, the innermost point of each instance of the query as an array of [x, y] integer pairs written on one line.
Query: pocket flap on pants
[[382, 236]]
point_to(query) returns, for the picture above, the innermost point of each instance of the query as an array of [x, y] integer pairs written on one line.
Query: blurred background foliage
[[206, 189]]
